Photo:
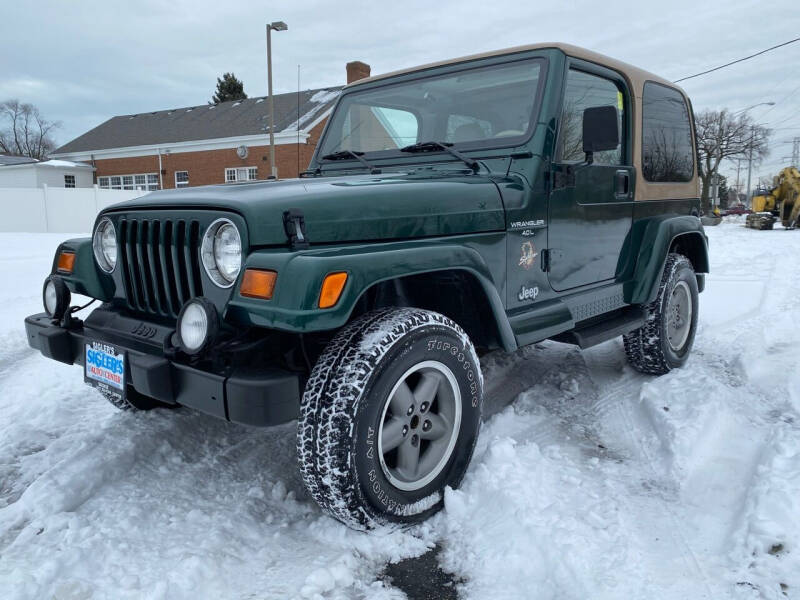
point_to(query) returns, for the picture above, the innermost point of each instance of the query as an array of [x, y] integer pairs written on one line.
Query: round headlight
[[55, 297], [104, 245], [222, 252], [197, 325]]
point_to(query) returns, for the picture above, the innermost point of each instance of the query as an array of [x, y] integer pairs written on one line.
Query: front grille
[[160, 264]]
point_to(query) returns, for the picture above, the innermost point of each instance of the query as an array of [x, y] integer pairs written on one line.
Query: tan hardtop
[[636, 78], [635, 75]]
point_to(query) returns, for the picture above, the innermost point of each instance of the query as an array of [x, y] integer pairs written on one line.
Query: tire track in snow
[[617, 394]]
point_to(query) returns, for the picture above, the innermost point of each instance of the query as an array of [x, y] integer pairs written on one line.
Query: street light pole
[[277, 26], [750, 166]]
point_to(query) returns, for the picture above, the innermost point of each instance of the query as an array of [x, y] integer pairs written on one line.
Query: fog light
[[198, 324], [55, 297]]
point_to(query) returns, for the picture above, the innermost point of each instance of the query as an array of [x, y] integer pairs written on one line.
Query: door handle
[[622, 189]]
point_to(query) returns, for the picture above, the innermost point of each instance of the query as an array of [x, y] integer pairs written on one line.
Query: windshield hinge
[[546, 260], [294, 224]]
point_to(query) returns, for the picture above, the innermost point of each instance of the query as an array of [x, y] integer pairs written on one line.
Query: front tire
[[665, 340], [389, 417]]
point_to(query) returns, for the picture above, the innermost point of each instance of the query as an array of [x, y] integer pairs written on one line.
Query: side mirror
[[600, 130]]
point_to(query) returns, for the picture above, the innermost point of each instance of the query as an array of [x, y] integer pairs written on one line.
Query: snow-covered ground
[[589, 480]]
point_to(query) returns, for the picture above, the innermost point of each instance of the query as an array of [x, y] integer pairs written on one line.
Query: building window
[[147, 182], [241, 174], [69, 181], [181, 179]]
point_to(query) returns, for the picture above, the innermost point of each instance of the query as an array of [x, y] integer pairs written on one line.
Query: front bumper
[[258, 397]]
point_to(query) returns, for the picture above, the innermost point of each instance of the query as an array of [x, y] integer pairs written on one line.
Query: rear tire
[[665, 340], [389, 417]]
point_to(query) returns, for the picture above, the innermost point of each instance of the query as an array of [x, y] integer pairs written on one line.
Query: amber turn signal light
[[331, 289], [258, 283], [66, 262]]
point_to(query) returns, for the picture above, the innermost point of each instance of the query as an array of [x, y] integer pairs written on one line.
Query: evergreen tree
[[228, 88]]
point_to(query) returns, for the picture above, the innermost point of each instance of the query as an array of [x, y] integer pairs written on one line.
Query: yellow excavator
[[781, 202]]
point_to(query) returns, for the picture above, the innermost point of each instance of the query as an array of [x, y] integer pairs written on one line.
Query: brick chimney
[[357, 70]]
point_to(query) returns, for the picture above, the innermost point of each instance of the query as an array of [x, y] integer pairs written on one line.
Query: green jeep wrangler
[[492, 201]]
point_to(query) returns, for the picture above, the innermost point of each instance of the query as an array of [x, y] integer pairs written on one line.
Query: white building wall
[[13, 176], [54, 176], [39, 174]]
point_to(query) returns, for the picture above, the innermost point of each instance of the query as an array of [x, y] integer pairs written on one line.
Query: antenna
[[298, 120]]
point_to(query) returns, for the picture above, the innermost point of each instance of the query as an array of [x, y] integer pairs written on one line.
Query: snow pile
[[508, 524]]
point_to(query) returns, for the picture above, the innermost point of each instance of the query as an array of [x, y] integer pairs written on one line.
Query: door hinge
[[294, 224], [546, 260]]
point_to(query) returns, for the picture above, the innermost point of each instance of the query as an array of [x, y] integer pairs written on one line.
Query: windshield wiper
[[441, 146], [345, 154]]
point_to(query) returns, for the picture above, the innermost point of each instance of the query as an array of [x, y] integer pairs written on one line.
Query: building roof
[[206, 122], [7, 159]]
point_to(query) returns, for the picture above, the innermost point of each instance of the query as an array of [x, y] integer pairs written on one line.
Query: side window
[[667, 153], [585, 91]]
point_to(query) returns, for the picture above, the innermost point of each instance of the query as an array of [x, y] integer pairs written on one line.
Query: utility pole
[[750, 166], [714, 191], [738, 190], [796, 153]]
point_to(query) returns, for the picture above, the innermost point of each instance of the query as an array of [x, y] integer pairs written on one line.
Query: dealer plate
[[104, 368]]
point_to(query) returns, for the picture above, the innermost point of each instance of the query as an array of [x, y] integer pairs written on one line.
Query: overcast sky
[[84, 61]]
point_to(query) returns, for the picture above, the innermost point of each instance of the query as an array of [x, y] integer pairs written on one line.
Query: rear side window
[[667, 153]]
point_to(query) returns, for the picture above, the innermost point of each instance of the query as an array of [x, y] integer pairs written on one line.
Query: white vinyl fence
[[56, 210]]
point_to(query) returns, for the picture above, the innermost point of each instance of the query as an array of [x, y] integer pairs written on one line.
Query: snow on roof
[[53, 162], [321, 99], [35, 164]]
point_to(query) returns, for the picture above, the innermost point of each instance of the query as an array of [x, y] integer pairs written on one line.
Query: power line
[[789, 95], [737, 60]]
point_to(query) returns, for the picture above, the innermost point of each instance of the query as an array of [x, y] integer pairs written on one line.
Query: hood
[[349, 208]]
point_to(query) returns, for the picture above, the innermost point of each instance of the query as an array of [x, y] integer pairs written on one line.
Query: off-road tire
[[343, 406], [648, 350], [134, 401]]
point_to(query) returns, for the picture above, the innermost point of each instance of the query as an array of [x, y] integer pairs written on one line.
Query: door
[[590, 208]]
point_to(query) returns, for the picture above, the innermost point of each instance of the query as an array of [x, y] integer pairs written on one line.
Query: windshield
[[475, 108]]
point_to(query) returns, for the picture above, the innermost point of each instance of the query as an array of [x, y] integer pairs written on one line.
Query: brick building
[[209, 144]]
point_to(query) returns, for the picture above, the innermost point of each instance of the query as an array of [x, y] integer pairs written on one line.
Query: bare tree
[[722, 135], [24, 131]]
